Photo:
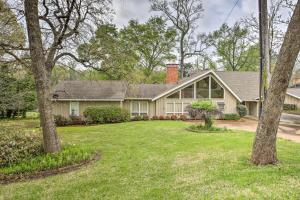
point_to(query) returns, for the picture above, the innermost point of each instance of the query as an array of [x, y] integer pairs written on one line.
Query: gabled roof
[[294, 92], [237, 90], [90, 90], [146, 91], [243, 85]]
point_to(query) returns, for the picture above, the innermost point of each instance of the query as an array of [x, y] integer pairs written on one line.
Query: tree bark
[[264, 147], [182, 67], [42, 76]]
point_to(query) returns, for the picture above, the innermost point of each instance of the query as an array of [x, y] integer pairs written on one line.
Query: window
[[202, 89], [216, 90], [221, 106], [188, 92], [139, 108], [176, 108], [74, 108], [174, 96]]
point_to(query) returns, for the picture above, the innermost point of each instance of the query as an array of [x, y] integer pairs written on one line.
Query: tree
[[183, 14], [110, 54], [232, 48], [17, 92], [152, 41], [53, 29], [264, 147], [279, 14], [203, 109], [134, 53]]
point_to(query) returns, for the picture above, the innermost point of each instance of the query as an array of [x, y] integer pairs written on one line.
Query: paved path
[[285, 131], [285, 117]]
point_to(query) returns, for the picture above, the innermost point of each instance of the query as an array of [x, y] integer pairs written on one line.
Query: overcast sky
[[215, 12]]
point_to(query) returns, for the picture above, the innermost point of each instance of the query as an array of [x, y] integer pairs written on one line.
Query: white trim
[[76, 104], [292, 95], [194, 79], [227, 87], [137, 98], [195, 90], [182, 85], [139, 111], [87, 99]]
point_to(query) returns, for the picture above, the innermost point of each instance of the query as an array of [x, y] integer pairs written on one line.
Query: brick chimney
[[172, 73]]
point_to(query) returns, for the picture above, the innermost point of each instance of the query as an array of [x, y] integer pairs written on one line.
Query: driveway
[[287, 132], [285, 117]]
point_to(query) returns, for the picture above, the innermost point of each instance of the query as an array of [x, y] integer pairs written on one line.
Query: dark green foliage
[[137, 118], [16, 146], [106, 114], [231, 116], [242, 110], [17, 92], [289, 107], [68, 156], [205, 129], [76, 120], [61, 120]]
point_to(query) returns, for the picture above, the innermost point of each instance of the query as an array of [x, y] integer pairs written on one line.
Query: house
[[226, 89]]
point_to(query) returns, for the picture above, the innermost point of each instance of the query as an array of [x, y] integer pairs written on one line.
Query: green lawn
[[161, 160]]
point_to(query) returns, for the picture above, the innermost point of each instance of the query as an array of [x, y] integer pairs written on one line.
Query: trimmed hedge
[[242, 110], [232, 116], [16, 146], [289, 107], [106, 114]]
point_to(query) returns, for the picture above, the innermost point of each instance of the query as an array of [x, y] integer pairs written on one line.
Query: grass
[[203, 129], [161, 160]]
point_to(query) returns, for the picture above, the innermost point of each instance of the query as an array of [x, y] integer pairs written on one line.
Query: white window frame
[[76, 104], [139, 111], [173, 112]]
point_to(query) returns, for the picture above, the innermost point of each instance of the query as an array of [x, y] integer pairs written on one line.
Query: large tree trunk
[[264, 147], [42, 77]]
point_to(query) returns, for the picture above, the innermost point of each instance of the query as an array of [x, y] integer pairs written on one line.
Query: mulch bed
[[12, 178]]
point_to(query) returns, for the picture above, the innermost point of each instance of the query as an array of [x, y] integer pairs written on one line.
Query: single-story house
[[226, 89]]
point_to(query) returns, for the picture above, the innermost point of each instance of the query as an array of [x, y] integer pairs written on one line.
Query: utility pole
[[264, 51]]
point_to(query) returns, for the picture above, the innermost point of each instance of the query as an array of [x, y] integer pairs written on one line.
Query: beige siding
[[63, 107], [151, 106], [292, 100], [230, 103]]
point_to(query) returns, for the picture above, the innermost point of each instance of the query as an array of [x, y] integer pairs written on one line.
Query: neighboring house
[[226, 89]]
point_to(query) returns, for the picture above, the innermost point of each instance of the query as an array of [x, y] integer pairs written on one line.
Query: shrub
[[232, 116], [183, 117], [16, 146], [137, 118], [106, 114], [161, 117], [167, 117], [203, 109], [60, 120], [289, 107], [145, 117], [173, 117], [76, 120], [155, 117], [242, 110]]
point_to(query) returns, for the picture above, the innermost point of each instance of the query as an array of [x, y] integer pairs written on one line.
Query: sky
[[215, 12]]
